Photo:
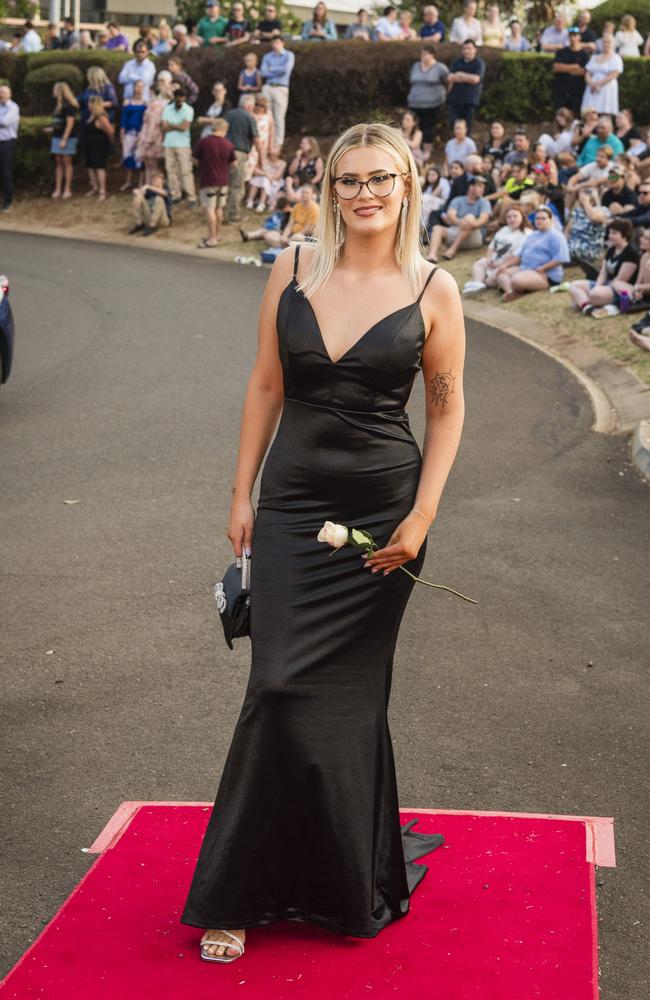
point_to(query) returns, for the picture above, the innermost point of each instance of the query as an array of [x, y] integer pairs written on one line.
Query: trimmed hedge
[[613, 10], [33, 158], [39, 82], [339, 83]]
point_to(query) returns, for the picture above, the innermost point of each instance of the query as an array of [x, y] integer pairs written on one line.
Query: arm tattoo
[[442, 384]]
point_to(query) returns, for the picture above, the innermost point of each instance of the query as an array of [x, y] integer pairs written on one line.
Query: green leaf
[[360, 539]]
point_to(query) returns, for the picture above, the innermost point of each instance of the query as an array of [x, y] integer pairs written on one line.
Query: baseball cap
[[574, 30], [478, 179], [616, 170]]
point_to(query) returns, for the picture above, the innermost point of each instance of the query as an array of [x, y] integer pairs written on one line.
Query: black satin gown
[[306, 823]]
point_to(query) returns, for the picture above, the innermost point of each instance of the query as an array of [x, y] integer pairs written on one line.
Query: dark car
[[6, 330]]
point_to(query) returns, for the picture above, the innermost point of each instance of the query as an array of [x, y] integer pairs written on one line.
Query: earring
[[402, 229], [337, 226]]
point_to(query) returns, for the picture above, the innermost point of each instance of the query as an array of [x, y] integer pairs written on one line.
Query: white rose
[[335, 535]]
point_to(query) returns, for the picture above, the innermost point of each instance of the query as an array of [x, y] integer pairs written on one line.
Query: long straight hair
[[379, 136]]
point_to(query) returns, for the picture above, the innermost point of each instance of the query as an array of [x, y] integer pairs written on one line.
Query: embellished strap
[[429, 277], [295, 261]]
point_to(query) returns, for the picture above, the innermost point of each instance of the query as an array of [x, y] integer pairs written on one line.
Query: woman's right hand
[[240, 528]]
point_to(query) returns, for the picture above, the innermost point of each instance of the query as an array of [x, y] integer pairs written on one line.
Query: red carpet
[[506, 912]]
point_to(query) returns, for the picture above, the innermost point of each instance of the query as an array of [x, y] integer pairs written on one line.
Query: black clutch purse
[[233, 598]]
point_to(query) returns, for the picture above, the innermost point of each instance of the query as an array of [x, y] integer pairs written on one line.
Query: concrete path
[[126, 396]]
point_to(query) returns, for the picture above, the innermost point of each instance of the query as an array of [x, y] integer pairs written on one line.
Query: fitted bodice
[[375, 374]]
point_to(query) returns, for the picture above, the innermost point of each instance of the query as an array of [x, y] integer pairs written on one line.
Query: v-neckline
[[395, 312]]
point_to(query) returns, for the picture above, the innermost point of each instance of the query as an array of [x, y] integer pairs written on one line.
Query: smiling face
[[368, 213], [543, 219]]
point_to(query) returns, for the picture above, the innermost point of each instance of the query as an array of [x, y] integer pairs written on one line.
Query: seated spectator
[[467, 217], [320, 28], [427, 93], [412, 135], [361, 28], [98, 86], [269, 27], [460, 175], [279, 217], [585, 232], [639, 214], [467, 25], [409, 34], [555, 37], [306, 167], [494, 32], [520, 150], [602, 73], [213, 155], [238, 29], [211, 28], [152, 207], [117, 42], [516, 42], [588, 36], [301, 224], [537, 266], [435, 193], [268, 180], [569, 68], [640, 294], [592, 175], [506, 242], [97, 134], [621, 261], [182, 80], [617, 196], [164, 44], [562, 139], [516, 184], [432, 27], [489, 171], [603, 136], [584, 128], [627, 40], [460, 146], [625, 129], [387, 28], [250, 78], [640, 155], [497, 145], [541, 163]]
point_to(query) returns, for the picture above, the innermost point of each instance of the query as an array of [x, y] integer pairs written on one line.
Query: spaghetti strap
[[295, 261], [424, 287]]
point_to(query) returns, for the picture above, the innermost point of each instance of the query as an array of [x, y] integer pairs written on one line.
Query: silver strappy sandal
[[239, 945]]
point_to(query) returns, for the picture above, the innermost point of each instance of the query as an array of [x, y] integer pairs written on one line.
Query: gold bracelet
[[428, 523]]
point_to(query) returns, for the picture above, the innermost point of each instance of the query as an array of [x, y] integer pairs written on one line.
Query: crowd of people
[[533, 203]]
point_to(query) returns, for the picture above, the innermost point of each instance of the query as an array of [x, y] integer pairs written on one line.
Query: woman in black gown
[[306, 821]]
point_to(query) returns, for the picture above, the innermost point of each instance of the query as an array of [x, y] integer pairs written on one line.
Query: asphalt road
[[126, 396]]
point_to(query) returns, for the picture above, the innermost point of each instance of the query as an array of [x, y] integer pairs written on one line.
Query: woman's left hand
[[402, 546]]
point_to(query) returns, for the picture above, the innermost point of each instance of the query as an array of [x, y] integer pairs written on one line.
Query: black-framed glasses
[[379, 185]]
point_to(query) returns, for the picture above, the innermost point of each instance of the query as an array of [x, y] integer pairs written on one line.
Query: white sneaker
[[260, 208], [472, 287], [249, 205]]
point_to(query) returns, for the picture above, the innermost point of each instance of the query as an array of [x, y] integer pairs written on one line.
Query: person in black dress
[[97, 135], [305, 825]]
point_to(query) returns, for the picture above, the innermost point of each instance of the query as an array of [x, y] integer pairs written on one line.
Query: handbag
[[233, 598]]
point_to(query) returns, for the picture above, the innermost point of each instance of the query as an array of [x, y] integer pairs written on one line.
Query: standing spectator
[[242, 132], [494, 32], [64, 138], [409, 34], [182, 79], [266, 135], [146, 35], [217, 109], [361, 28], [152, 207], [516, 42], [97, 133], [497, 145], [238, 29], [212, 26], [467, 217], [140, 68], [69, 34], [213, 155], [387, 28], [428, 92], [556, 36], [569, 74], [150, 141], [609, 28], [9, 124], [269, 27], [98, 86], [52, 38], [537, 266], [627, 39], [192, 39], [587, 35], [432, 27], [301, 225], [131, 119], [102, 38], [277, 66], [31, 40], [306, 167], [466, 84], [250, 78], [86, 41], [164, 44], [603, 71], [320, 28], [175, 124], [459, 146], [467, 26], [117, 42]]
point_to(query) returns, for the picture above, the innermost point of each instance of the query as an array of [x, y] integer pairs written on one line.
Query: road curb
[[641, 448]]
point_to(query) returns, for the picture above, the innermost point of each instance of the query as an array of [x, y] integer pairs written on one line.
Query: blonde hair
[[628, 23], [96, 77], [408, 247], [96, 106], [63, 95]]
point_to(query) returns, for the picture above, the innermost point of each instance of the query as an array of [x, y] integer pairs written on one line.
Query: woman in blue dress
[[130, 126]]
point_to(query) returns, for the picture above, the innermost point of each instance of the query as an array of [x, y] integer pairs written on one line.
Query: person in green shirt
[[212, 27]]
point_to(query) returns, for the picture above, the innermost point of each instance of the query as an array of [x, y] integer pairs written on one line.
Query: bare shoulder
[[441, 300]]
